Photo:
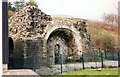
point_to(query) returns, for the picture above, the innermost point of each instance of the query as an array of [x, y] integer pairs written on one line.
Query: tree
[[22, 4], [110, 18], [32, 3], [108, 42], [11, 10], [17, 5], [10, 7], [104, 42]]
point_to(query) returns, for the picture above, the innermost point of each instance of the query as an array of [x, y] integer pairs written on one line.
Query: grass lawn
[[103, 72]]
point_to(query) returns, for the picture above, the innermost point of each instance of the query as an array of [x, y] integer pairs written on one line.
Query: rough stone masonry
[[33, 36]]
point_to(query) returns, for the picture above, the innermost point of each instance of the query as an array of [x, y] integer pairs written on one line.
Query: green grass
[[105, 72]]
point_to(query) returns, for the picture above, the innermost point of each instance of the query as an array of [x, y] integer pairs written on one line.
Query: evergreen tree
[[17, 5], [32, 3], [10, 7]]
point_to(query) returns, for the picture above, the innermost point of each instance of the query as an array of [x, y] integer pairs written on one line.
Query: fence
[[89, 59], [98, 58]]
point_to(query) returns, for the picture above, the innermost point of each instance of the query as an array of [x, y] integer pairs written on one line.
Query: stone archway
[[66, 39]]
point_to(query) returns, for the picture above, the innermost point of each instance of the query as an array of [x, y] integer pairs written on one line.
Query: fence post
[[101, 57], [113, 55], [61, 62], [118, 60], [105, 54], [83, 60]]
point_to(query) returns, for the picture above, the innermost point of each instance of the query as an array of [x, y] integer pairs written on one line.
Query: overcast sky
[[87, 9]]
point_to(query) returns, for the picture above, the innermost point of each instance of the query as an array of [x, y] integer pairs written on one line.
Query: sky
[[87, 9]]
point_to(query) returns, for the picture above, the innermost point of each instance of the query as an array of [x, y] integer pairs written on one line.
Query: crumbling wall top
[[28, 22]]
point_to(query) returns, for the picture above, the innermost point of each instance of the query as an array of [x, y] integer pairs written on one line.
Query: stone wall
[[26, 28], [31, 31]]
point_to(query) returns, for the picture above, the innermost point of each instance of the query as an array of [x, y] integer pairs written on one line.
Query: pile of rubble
[[28, 22]]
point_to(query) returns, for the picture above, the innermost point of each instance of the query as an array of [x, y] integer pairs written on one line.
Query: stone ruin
[[34, 37]]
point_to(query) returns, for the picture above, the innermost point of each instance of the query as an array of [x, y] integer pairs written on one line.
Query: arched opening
[[11, 45], [15, 54], [57, 54], [63, 38], [11, 48]]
